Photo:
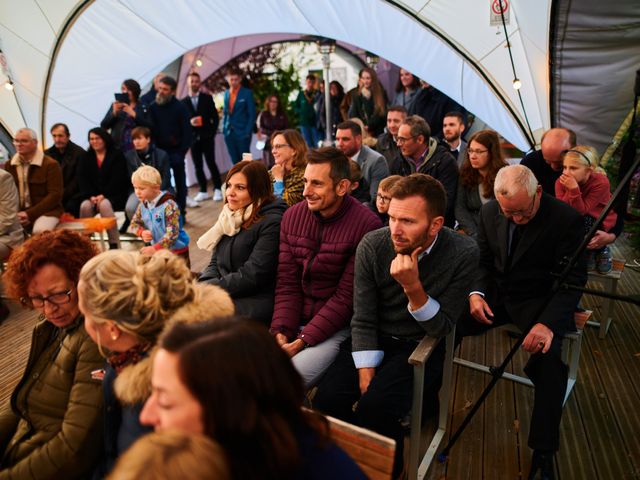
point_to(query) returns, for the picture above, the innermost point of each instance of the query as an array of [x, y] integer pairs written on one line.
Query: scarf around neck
[[229, 223]]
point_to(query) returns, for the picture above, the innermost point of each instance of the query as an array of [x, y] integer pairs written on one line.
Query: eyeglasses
[[401, 140], [476, 151], [520, 213], [383, 198], [57, 299], [279, 146]]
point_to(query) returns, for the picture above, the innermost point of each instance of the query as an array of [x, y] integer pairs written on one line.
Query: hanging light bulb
[[517, 84], [199, 62], [8, 85]]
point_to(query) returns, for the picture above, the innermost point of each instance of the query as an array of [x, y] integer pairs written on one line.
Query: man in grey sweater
[[411, 280]]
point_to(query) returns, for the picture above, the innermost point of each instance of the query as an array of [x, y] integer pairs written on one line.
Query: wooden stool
[[89, 226], [610, 283]]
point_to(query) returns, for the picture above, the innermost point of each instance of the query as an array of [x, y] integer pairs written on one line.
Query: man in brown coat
[[39, 181]]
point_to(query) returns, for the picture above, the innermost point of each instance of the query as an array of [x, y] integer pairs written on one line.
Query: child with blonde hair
[[585, 187], [157, 217]]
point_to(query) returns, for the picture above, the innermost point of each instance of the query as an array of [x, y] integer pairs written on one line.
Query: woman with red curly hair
[[52, 427]]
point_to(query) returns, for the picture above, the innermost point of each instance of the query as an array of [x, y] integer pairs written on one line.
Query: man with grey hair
[[421, 153], [39, 181], [524, 237]]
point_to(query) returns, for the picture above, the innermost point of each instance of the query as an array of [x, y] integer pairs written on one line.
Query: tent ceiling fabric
[[447, 42]]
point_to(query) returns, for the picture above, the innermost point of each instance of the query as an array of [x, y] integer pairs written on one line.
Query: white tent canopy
[[67, 57]]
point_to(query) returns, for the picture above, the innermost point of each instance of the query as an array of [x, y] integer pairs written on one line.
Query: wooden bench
[[571, 345], [372, 452], [609, 282]]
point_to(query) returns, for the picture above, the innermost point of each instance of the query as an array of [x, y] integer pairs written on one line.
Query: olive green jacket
[[53, 428]]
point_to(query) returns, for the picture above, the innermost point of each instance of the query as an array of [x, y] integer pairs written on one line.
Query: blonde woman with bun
[[127, 299], [172, 455]]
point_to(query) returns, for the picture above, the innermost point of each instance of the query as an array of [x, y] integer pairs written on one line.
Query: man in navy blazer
[[524, 236], [239, 117], [204, 122]]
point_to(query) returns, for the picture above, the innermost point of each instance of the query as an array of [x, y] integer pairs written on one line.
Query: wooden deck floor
[[601, 421]]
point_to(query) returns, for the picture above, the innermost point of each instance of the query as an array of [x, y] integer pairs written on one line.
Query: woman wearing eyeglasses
[[482, 161], [290, 153], [53, 426]]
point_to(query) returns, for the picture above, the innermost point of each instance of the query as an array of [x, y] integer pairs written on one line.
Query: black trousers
[[548, 373], [205, 146], [388, 398]]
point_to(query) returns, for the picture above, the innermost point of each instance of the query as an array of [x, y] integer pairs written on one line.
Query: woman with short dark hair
[[250, 402], [245, 241], [103, 180]]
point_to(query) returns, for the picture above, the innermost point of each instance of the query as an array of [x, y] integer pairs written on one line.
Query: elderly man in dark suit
[[524, 236], [204, 121]]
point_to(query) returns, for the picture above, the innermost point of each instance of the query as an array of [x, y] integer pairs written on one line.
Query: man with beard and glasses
[[409, 279], [172, 133]]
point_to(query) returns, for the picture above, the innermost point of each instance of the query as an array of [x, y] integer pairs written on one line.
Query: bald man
[[546, 163]]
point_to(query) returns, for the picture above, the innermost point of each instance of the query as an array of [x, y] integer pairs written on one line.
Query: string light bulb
[[517, 84], [199, 62], [8, 85]]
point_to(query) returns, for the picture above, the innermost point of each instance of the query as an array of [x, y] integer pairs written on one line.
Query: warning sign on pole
[[495, 8]]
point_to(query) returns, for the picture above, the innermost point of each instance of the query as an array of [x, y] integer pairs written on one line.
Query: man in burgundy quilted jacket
[[318, 240]]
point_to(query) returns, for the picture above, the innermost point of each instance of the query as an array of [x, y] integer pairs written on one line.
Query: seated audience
[[422, 153], [585, 187], [318, 240], [52, 426], [170, 456], [157, 218], [525, 236], [369, 104], [386, 144], [483, 159], [127, 299], [244, 241], [39, 181], [270, 120], [68, 155], [374, 166], [123, 117], [546, 163], [102, 176], [452, 130], [145, 153], [359, 188], [250, 402], [409, 280], [383, 197], [289, 151], [11, 233]]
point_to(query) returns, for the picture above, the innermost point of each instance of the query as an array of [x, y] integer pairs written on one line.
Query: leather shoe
[[541, 466]]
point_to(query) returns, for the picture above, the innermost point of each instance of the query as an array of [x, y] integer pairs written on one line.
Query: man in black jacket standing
[[68, 155], [172, 133], [204, 121]]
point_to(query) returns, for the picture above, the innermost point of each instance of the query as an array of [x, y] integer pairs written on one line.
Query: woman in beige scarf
[[245, 241]]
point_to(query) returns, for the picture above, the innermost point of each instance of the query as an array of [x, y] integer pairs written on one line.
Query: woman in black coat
[[245, 241], [103, 179]]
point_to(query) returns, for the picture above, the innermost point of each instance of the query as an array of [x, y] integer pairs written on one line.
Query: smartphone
[[122, 97]]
